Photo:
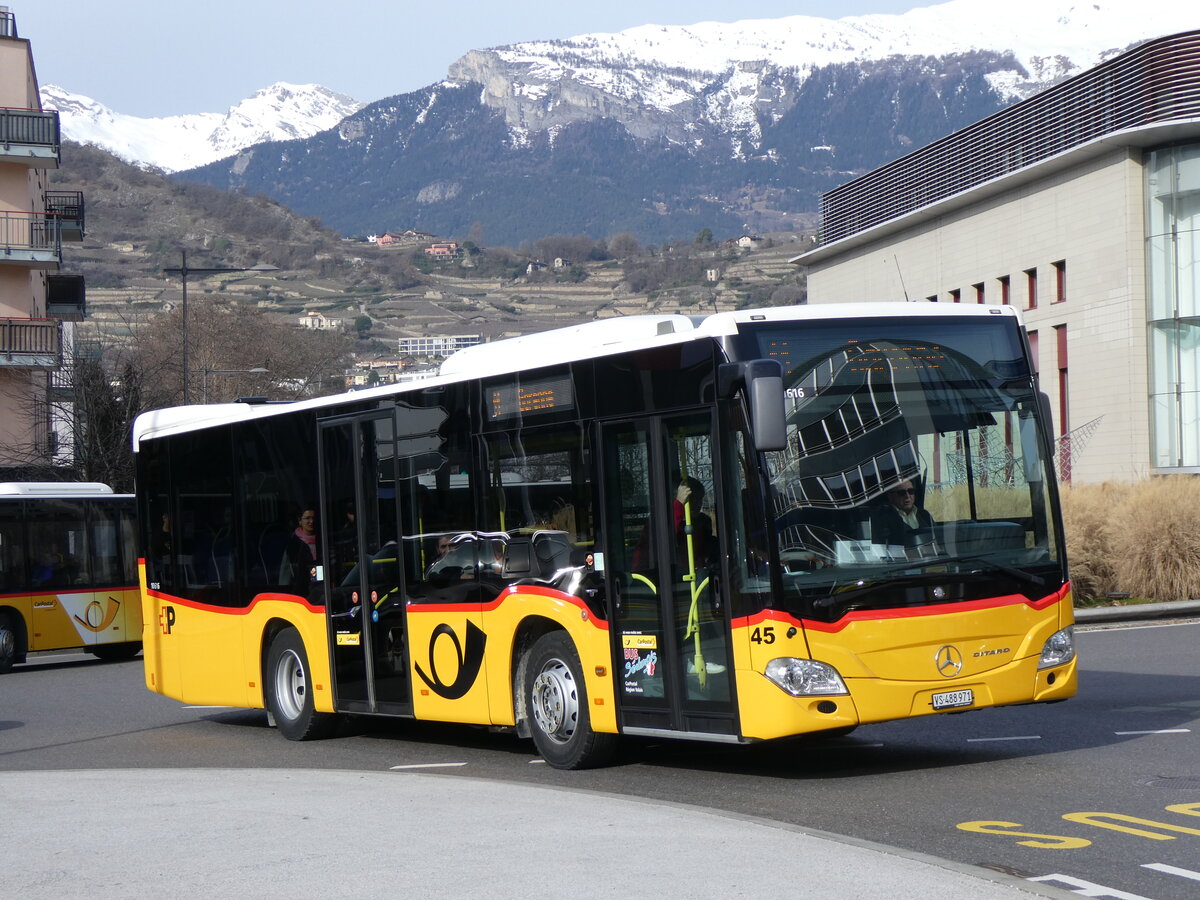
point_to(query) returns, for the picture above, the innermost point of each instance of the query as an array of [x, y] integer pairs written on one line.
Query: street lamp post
[[257, 370], [183, 270]]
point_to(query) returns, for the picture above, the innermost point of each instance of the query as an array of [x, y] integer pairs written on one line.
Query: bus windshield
[[914, 472]]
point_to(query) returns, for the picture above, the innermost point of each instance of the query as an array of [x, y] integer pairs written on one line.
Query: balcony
[[66, 297], [68, 207], [30, 239], [31, 343], [30, 137]]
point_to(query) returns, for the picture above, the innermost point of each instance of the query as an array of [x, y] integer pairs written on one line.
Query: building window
[[1033, 351], [1031, 285], [932, 298], [956, 296], [978, 292], [1005, 286], [1060, 281], [1173, 284]]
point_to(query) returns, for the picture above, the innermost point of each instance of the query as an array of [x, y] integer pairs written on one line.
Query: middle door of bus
[[357, 536], [671, 633]]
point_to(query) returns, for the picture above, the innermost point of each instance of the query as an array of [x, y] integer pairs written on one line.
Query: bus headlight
[[805, 677], [1058, 649]]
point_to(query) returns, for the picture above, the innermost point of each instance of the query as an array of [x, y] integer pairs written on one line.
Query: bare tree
[[226, 339]]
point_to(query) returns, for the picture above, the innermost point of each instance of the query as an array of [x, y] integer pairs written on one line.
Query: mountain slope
[[662, 130], [279, 112]]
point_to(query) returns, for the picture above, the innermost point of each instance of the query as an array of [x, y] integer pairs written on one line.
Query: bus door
[[670, 619], [357, 535]]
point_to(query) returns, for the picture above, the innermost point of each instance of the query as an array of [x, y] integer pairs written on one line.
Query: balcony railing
[[30, 239], [66, 297], [30, 136], [8, 24], [31, 343], [68, 206]]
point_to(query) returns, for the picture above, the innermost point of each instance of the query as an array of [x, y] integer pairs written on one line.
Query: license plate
[[953, 699]]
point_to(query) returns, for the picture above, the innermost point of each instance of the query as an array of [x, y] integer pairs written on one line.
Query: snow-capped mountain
[[277, 113], [660, 80], [664, 130]]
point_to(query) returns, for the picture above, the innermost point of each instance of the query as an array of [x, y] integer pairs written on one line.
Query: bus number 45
[[763, 635]]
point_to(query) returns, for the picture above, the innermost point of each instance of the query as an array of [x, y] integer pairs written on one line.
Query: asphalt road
[[1100, 795]]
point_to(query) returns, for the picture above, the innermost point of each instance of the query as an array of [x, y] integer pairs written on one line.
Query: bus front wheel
[[557, 706], [8, 644], [287, 682]]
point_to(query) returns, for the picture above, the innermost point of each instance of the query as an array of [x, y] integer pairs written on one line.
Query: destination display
[[507, 401]]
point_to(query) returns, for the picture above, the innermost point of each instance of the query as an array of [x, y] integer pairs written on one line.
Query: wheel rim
[[290, 685], [555, 701], [8, 643]]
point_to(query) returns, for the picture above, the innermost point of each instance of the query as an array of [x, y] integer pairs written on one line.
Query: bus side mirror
[[763, 382]]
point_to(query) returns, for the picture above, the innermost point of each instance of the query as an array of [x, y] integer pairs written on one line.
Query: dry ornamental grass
[[1137, 539]]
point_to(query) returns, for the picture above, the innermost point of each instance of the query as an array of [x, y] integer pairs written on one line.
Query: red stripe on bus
[[494, 604], [236, 610], [876, 615], [78, 589]]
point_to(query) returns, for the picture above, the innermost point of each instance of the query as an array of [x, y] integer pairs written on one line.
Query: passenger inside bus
[[300, 557]]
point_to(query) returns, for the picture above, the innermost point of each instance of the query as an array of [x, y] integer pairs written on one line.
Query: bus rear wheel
[[557, 706], [286, 682], [8, 644]]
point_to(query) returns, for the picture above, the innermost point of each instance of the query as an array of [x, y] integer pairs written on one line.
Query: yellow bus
[[68, 571], [735, 528]]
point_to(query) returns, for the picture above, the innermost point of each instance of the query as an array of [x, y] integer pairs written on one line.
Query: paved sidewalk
[[1135, 612], [302, 833]]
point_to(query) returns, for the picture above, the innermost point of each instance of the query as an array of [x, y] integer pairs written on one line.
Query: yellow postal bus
[[68, 574], [733, 528]]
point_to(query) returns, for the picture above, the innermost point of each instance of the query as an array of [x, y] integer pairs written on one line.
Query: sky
[[170, 57]]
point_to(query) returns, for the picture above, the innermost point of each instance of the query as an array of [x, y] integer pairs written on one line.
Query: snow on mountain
[[277, 113], [677, 83], [735, 66]]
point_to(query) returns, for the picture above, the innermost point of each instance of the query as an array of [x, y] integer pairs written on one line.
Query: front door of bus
[[671, 633], [358, 539]]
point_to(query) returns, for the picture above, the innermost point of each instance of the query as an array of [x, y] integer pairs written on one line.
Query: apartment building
[[38, 301], [1081, 205]]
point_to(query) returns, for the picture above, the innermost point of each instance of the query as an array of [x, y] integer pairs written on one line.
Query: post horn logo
[[948, 660]]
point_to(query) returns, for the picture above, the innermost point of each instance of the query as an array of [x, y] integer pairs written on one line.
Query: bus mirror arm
[[762, 380]]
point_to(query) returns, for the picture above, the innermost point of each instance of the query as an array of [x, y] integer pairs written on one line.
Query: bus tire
[[8, 643], [121, 651], [557, 705], [286, 683]]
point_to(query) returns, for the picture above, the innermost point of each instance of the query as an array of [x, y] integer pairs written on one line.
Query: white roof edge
[[585, 341], [56, 489], [552, 348]]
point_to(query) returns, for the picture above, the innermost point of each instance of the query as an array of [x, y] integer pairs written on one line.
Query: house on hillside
[[535, 265], [749, 241], [316, 321], [443, 250]]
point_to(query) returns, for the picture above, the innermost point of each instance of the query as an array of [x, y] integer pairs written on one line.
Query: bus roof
[[54, 489], [589, 340]]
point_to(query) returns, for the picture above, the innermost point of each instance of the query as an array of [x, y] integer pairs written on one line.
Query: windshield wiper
[[926, 562], [1019, 574]]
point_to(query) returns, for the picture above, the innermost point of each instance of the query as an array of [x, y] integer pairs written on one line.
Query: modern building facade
[[440, 345], [1081, 205], [36, 298]]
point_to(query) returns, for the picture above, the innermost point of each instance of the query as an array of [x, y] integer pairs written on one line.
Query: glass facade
[[1173, 288]]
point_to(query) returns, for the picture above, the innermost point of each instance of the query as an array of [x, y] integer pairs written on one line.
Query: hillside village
[[459, 294]]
